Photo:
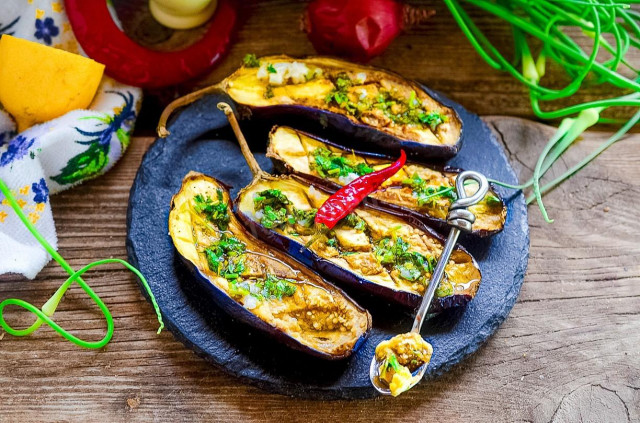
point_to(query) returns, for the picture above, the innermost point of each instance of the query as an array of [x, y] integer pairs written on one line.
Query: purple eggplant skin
[[351, 279], [240, 313], [431, 221], [354, 134]]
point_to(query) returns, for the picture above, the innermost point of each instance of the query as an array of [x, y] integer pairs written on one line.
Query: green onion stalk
[[45, 313], [550, 22]]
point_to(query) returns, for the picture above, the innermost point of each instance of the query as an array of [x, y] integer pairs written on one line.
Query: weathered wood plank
[[567, 352], [436, 53]]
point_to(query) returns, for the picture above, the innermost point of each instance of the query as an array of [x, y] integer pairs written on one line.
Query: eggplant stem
[[162, 130], [246, 151]]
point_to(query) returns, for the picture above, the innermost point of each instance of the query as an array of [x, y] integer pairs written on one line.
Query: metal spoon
[[460, 219]]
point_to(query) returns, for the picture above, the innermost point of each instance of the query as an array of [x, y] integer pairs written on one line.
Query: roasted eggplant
[[264, 288], [425, 192], [374, 108], [385, 254]]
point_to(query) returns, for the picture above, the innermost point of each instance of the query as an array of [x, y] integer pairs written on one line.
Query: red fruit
[[358, 29]]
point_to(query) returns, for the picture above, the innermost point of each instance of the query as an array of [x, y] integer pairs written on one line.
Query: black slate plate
[[200, 140]]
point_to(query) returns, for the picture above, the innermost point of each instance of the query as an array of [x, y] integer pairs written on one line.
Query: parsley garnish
[[251, 61], [340, 96], [399, 110], [272, 197], [328, 163], [239, 289], [428, 193], [275, 287], [410, 264], [392, 362], [271, 69], [356, 222], [225, 257], [271, 287], [277, 210], [432, 119], [305, 218], [407, 113], [272, 218], [272, 202], [217, 213]]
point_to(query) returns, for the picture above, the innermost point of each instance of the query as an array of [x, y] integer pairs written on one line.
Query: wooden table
[[568, 351]]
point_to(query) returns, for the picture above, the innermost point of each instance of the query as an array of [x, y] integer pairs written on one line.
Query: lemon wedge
[[39, 83]]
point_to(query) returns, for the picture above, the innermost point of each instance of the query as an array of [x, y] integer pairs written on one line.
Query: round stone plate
[[201, 140]]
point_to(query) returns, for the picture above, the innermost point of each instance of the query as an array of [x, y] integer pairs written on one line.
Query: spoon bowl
[[382, 387]]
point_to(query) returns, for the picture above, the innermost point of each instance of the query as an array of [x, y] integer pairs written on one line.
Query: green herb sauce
[[214, 212], [329, 164]]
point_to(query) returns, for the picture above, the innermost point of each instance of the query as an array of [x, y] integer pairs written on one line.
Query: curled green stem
[[44, 314]]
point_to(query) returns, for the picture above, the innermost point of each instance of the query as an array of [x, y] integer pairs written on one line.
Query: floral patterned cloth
[[55, 155]]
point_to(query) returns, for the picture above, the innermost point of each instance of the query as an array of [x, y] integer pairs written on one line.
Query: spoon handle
[[460, 219]]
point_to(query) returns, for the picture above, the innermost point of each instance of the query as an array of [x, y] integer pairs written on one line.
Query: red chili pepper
[[131, 63], [347, 198]]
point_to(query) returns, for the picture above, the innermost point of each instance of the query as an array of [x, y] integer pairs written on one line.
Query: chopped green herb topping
[[428, 193], [272, 218], [327, 164], [432, 119], [407, 113], [239, 289], [305, 218], [270, 197], [343, 81], [275, 287], [250, 61], [271, 287], [271, 69], [411, 265], [277, 210], [356, 222], [216, 213], [399, 110], [340, 96], [225, 256], [392, 363]]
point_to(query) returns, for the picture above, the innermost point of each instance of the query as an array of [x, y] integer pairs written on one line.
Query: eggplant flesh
[[361, 250], [333, 166], [375, 107], [264, 288]]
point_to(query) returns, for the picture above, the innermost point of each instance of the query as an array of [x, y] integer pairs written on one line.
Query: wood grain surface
[[436, 53], [568, 352]]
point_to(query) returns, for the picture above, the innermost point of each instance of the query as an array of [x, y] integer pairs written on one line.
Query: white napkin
[[58, 154]]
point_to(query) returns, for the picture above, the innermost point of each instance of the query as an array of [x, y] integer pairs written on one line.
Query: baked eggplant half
[[388, 255], [261, 287], [376, 109], [422, 191]]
